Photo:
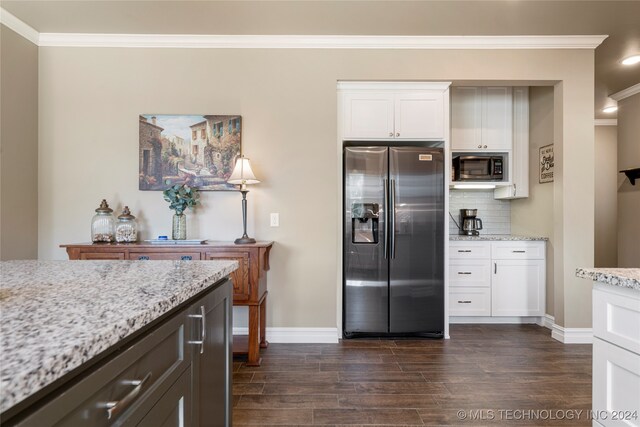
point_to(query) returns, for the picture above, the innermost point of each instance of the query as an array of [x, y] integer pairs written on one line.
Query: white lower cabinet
[[616, 356], [504, 279]]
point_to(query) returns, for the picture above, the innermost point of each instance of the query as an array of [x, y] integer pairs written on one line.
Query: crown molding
[[317, 42], [10, 21], [606, 122], [625, 93]]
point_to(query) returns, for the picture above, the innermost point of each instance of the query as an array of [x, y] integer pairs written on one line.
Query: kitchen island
[[96, 340], [616, 344]]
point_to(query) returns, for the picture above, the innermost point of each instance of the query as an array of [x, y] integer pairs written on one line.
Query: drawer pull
[[203, 328], [114, 408], [464, 250], [518, 252], [464, 272], [186, 258], [464, 302], [143, 258]]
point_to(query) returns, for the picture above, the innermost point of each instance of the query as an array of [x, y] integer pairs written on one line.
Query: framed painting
[[200, 151], [546, 164]]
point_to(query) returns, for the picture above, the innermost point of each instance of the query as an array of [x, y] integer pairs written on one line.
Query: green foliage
[[181, 197]]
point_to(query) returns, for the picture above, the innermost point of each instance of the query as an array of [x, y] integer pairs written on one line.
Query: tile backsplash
[[495, 214]]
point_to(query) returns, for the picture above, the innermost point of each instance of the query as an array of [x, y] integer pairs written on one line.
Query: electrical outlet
[[275, 220]]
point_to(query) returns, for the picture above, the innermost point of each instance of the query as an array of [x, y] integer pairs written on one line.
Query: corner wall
[[606, 207], [19, 147], [628, 195], [533, 216]]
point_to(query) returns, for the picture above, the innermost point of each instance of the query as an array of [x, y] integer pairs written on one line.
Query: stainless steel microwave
[[478, 168]]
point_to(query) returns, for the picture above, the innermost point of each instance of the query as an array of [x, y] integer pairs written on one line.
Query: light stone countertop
[[494, 237], [57, 315], [622, 277]]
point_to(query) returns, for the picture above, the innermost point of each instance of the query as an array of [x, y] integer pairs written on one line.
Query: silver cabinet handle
[[464, 272], [391, 134], [398, 134], [519, 252], [117, 406], [464, 302], [203, 328], [485, 146], [464, 250], [495, 268]]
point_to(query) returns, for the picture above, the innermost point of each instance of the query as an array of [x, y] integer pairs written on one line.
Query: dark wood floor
[[497, 368]]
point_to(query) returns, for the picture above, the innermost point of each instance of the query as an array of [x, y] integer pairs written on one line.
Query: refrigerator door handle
[[386, 218], [392, 226]]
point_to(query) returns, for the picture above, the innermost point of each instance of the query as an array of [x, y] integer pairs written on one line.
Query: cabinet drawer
[[616, 317], [175, 256], [616, 383], [470, 250], [144, 369], [470, 273], [518, 250], [102, 256], [469, 302]]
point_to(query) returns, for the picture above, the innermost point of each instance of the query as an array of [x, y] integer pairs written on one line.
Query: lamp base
[[244, 240]]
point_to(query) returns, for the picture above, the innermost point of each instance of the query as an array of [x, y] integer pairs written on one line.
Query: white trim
[[297, 335], [319, 42], [572, 335], [502, 320], [392, 86], [606, 122], [548, 321], [625, 93], [26, 31]]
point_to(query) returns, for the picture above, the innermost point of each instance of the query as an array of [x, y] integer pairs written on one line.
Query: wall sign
[[546, 164], [200, 151]]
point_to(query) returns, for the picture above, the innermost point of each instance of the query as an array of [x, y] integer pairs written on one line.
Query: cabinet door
[[616, 384], [368, 115], [174, 407], [497, 118], [466, 118], [240, 277], [518, 288], [212, 359], [419, 115]]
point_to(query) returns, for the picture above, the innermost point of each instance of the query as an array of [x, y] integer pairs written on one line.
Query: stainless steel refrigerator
[[393, 278]]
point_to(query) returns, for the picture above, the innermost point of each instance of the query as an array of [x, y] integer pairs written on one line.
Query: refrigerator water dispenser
[[364, 222]]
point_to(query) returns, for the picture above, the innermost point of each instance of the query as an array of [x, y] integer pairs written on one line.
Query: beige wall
[[533, 216], [628, 195], [19, 147], [606, 238], [90, 99]]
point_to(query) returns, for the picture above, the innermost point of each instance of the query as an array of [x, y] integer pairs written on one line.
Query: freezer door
[[416, 272], [366, 279]]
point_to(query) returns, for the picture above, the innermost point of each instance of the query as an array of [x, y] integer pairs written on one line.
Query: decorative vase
[[179, 229]]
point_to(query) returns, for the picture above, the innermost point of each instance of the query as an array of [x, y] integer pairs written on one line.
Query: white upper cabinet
[[394, 111], [481, 118]]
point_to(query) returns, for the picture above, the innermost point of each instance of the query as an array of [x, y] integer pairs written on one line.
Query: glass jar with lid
[[126, 227], [103, 224]]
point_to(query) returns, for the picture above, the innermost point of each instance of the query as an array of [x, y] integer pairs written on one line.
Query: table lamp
[[243, 175]]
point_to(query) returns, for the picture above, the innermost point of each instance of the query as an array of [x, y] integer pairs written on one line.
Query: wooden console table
[[249, 280]]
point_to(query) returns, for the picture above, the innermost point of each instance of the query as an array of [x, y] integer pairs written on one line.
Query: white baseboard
[[297, 335], [548, 321], [572, 335], [495, 320]]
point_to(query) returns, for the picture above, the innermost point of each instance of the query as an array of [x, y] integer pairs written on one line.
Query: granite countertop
[[57, 315], [622, 277], [495, 237]]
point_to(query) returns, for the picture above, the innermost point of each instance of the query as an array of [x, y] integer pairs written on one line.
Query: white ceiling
[[618, 19]]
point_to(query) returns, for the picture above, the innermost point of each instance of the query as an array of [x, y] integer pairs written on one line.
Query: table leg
[[263, 324], [253, 355]]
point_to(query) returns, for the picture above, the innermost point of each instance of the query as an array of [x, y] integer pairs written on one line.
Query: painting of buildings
[[198, 150]]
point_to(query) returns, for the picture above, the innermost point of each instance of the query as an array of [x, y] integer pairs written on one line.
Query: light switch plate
[[275, 220]]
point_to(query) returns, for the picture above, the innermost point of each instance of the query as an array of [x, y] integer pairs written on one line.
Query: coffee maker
[[469, 224]]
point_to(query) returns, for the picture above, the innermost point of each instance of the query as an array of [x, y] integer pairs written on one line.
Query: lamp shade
[[242, 173]]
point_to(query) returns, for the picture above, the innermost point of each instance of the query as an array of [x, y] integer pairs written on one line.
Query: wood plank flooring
[[496, 374]]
